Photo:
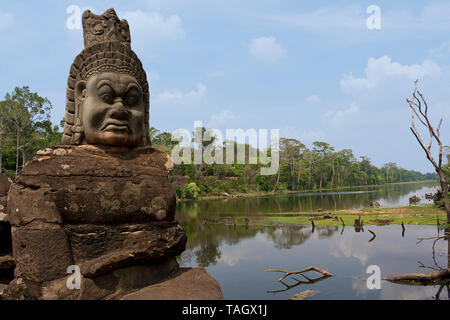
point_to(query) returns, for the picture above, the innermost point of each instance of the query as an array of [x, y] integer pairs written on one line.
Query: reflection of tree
[[207, 253], [285, 237], [326, 232], [204, 240]]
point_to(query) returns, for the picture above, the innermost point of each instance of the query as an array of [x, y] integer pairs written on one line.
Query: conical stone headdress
[[107, 45]]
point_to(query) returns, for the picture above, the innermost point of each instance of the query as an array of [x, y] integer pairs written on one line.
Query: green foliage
[[24, 128], [179, 192], [190, 191]]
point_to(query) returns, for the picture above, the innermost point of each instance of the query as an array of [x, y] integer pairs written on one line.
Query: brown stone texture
[[103, 209], [41, 251], [187, 284]]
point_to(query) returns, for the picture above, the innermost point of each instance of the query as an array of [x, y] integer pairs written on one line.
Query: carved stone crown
[[105, 27]]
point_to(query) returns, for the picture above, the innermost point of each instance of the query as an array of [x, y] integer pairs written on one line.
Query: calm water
[[392, 196], [238, 255], [237, 258]]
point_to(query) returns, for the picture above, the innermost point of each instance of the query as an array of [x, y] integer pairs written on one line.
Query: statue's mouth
[[115, 126]]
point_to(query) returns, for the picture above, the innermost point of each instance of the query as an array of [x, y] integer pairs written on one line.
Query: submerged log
[[304, 295], [420, 278], [373, 233]]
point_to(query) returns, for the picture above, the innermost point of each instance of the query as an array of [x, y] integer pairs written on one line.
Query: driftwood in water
[[442, 276], [373, 233], [297, 283], [373, 204], [310, 268], [403, 230], [414, 199], [420, 278], [304, 295]]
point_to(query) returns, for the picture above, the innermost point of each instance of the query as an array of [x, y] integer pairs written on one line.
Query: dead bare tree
[[419, 108]]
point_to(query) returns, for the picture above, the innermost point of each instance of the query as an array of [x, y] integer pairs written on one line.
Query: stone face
[[100, 208], [187, 284], [107, 90]]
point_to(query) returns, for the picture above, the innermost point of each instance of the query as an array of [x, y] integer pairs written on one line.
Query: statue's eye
[[108, 98], [107, 94], [131, 99]]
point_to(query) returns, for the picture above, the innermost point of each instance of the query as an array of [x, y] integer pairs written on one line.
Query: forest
[[25, 127]]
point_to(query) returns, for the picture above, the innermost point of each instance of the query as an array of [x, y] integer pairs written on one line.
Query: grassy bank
[[418, 215]]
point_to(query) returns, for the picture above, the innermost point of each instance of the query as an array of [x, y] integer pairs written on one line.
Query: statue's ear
[[80, 90]]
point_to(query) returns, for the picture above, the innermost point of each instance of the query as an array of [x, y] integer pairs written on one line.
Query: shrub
[[190, 191]]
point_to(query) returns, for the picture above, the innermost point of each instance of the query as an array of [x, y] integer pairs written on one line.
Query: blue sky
[[309, 68]]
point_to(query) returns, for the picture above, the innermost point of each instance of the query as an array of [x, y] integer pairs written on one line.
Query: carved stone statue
[[107, 90], [101, 202]]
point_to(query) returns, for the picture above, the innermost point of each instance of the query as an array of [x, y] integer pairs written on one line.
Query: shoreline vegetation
[[286, 192], [426, 214]]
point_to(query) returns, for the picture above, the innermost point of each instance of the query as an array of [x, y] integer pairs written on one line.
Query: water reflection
[[237, 257], [237, 254]]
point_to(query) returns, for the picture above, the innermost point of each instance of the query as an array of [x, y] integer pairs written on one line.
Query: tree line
[[301, 168]]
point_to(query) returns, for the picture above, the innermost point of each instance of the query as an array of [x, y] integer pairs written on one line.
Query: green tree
[[24, 115]]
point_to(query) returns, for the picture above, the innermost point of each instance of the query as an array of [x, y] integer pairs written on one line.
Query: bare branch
[[310, 268]]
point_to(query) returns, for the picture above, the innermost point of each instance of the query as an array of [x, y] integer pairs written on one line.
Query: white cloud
[[341, 117], [153, 25], [313, 99], [350, 247], [379, 95], [383, 70], [6, 20], [176, 98], [267, 49], [439, 53]]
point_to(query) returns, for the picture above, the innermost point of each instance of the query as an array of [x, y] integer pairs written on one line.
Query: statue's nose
[[118, 111]]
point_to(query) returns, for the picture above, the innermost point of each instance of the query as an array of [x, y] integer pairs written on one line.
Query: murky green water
[[237, 256]]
